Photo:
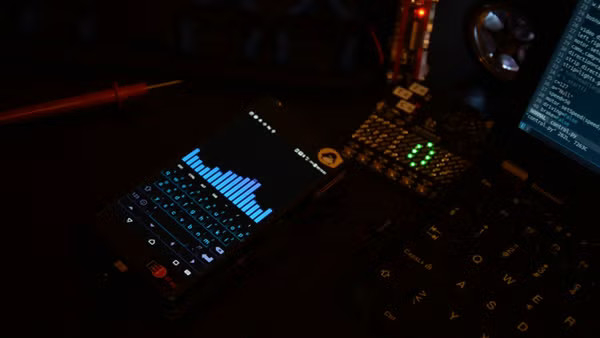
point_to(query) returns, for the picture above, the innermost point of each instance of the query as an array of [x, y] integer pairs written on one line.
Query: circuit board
[[401, 141]]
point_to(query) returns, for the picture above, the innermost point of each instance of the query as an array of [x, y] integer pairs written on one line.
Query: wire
[[404, 8], [115, 95], [377, 46], [164, 84]]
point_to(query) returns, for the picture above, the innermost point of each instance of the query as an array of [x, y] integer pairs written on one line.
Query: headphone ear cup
[[484, 53], [500, 37]]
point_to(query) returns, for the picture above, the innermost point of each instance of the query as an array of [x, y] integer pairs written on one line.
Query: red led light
[[421, 13], [157, 270], [160, 272]]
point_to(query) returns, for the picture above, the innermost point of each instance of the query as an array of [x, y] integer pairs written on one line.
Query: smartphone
[[186, 227]]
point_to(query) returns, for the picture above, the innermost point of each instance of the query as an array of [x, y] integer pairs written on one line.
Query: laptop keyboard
[[497, 262], [185, 219]]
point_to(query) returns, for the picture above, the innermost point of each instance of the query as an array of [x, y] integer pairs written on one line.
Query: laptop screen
[[564, 112]]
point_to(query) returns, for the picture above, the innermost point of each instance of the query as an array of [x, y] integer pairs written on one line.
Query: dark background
[[57, 173], [257, 41]]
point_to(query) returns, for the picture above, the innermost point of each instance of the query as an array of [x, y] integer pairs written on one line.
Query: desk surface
[[56, 174], [59, 172]]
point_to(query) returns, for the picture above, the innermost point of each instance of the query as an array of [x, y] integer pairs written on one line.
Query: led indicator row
[[239, 190], [260, 120]]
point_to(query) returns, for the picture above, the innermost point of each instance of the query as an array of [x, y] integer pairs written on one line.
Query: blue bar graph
[[256, 213], [248, 206], [239, 190], [226, 182], [248, 192], [263, 215], [210, 173], [236, 188], [252, 210], [193, 161], [214, 177], [196, 164], [204, 171], [231, 185], [190, 155], [215, 183], [246, 200]]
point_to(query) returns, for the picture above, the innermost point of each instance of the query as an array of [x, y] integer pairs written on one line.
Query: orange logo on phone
[[330, 157]]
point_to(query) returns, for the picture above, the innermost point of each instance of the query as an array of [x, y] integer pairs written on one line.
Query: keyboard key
[[497, 265], [176, 230]]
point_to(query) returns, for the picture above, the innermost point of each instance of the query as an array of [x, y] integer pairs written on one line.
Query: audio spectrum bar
[[237, 189]]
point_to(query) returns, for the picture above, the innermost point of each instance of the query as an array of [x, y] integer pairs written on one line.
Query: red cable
[[377, 46], [116, 94], [403, 23], [417, 69]]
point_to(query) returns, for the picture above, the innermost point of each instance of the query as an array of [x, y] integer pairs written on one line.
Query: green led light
[[415, 151], [429, 144], [410, 155], [427, 158], [419, 146], [423, 162], [432, 152], [412, 164]]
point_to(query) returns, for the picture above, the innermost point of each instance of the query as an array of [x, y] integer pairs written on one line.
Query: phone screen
[[218, 195]]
